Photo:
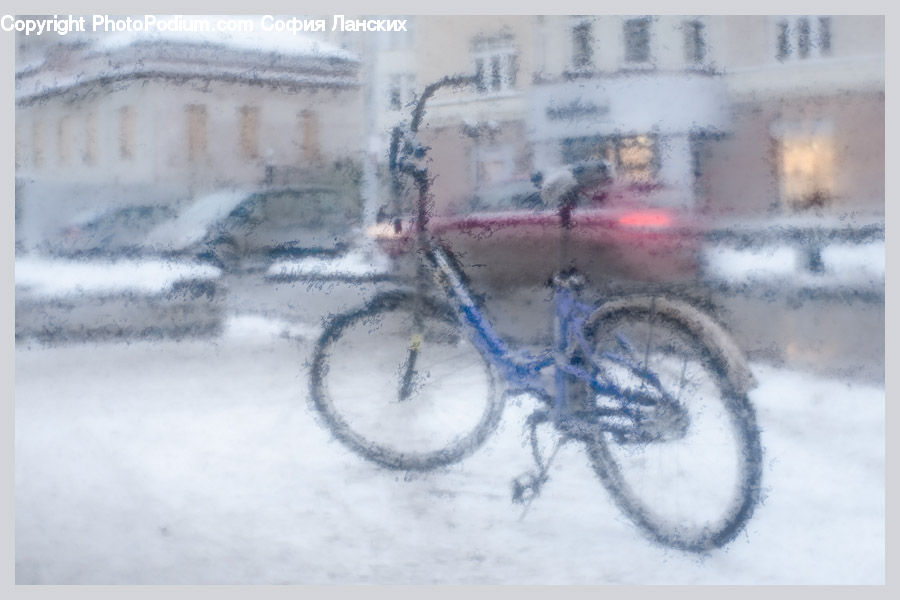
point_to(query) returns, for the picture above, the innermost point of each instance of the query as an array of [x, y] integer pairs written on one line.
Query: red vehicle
[[615, 232]]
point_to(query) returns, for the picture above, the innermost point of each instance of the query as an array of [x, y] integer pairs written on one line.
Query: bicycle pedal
[[526, 487]]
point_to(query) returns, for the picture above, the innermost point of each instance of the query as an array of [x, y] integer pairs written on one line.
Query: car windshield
[[113, 230], [304, 208], [193, 222], [310, 207]]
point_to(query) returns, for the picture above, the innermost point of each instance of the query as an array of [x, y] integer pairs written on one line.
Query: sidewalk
[[203, 462]]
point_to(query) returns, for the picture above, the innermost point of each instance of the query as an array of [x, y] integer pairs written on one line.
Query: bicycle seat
[[560, 188]]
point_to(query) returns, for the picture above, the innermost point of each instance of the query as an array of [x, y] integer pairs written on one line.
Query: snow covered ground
[[359, 262], [203, 462], [857, 265], [56, 278]]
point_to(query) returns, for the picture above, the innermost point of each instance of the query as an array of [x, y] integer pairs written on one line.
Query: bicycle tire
[[404, 435], [647, 478]]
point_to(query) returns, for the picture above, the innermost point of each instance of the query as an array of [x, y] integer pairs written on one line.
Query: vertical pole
[[560, 359], [372, 148]]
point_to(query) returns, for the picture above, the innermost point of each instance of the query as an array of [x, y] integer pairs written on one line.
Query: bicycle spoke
[[680, 475], [408, 368], [405, 400]]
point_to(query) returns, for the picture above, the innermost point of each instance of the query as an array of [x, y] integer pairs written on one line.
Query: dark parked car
[[114, 231], [99, 279], [60, 299], [247, 229]]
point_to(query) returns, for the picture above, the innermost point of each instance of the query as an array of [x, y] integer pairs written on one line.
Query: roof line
[[316, 82]]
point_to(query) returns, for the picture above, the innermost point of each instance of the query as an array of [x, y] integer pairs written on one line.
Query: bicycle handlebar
[[418, 112], [403, 144], [450, 81]]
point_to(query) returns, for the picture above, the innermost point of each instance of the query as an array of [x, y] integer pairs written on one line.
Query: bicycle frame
[[522, 371], [601, 391]]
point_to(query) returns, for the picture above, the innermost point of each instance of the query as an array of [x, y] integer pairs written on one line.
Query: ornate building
[[132, 118]]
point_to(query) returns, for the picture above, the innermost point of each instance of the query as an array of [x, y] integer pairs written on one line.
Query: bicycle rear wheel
[[399, 384], [694, 489]]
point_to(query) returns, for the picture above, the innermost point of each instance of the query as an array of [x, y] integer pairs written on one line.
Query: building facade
[[743, 116], [163, 119], [746, 116], [807, 113]]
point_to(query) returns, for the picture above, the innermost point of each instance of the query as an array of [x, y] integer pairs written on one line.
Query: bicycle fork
[[409, 366], [415, 341], [569, 397], [527, 487]]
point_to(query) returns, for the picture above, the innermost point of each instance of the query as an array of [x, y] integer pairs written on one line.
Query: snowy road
[[202, 462]]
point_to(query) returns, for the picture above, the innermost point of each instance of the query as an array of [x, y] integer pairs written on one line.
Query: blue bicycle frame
[[601, 391], [522, 371]]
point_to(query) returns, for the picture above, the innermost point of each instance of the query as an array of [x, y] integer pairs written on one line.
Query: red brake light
[[646, 219]]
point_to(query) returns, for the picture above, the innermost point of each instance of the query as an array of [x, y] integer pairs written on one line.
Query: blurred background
[[191, 205], [748, 159]]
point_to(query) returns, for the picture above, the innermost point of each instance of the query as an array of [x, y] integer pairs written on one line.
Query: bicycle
[[652, 386]]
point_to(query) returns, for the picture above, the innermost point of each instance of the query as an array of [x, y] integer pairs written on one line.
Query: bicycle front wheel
[[398, 383], [695, 487]]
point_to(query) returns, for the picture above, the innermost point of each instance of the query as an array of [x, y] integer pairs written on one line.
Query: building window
[[807, 173], [495, 64], [196, 129], [401, 90], [309, 133], [126, 132], [825, 35], [248, 131], [694, 42], [702, 147], [637, 40], [635, 158], [495, 165], [799, 38], [784, 44], [90, 140], [37, 142], [64, 140], [582, 46], [803, 38]]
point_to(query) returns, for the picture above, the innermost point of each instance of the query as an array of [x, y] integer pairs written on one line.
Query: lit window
[[694, 42], [807, 170], [637, 40], [634, 158], [800, 38], [495, 64], [196, 125], [582, 47], [637, 158]]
